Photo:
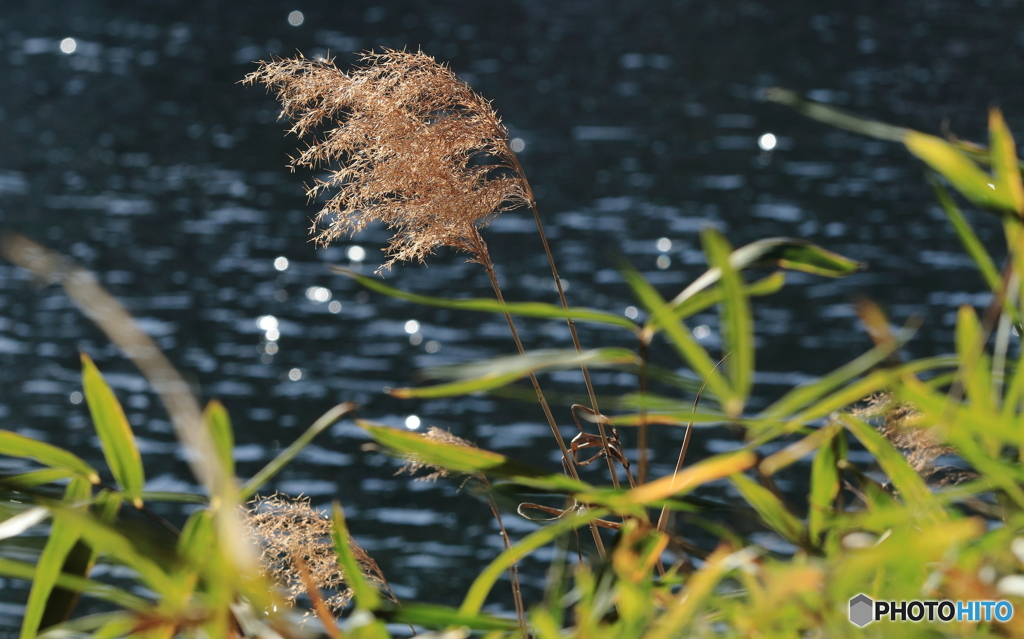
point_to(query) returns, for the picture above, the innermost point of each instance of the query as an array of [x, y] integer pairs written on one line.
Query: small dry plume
[[408, 143], [286, 528], [437, 435], [900, 425]]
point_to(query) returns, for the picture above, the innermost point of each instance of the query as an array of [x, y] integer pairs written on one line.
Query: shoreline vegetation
[[405, 142]]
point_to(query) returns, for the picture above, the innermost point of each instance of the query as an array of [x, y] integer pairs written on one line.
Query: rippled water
[[140, 155]]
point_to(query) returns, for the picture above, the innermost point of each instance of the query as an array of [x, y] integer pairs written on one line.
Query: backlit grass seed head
[[407, 143], [284, 528], [436, 435]]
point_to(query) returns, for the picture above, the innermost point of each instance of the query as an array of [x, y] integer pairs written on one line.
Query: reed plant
[[408, 144]]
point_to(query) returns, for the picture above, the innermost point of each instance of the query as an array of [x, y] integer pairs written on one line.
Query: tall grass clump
[[937, 515]]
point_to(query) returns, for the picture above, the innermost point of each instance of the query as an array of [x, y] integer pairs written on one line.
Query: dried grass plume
[[436, 435], [286, 528], [407, 143]]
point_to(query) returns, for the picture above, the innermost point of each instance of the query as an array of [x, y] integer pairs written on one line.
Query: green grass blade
[[779, 252], [15, 445], [105, 539], [494, 373], [975, 249], [1003, 154], [704, 471], [737, 324], [62, 539], [810, 392], [835, 117], [434, 616], [912, 488], [115, 434], [825, 483], [706, 299], [682, 340], [482, 585], [467, 459], [366, 596], [104, 592], [34, 478], [286, 455], [961, 172], [219, 423], [523, 309], [771, 509], [974, 364]]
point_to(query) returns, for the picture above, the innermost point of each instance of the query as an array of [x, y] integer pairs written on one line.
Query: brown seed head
[[409, 144]]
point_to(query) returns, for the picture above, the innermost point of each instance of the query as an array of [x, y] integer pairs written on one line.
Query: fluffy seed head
[[406, 142]]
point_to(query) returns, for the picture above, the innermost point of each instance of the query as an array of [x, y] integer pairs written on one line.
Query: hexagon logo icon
[[862, 610]]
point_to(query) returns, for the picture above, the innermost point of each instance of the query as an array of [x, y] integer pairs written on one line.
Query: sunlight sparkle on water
[[295, 18], [412, 422], [68, 45], [767, 142]]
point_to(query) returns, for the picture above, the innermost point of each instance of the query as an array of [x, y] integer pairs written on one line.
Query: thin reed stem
[[513, 571], [572, 325], [483, 256], [642, 462]]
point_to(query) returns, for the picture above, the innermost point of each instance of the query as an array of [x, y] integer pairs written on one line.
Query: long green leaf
[[974, 364], [468, 459], [1003, 154], [219, 423], [781, 252], [51, 561], [975, 249], [495, 373], [771, 509], [434, 616], [115, 434], [15, 445], [34, 478], [737, 325], [25, 571], [482, 585], [366, 596], [105, 539], [835, 117], [286, 455], [524, 309], [681, 339], [706, 299], [824, 487]]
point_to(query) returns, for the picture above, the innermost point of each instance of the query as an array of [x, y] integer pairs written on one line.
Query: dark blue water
[[141, 155]]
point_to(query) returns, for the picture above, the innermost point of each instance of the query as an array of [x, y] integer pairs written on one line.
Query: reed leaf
[[487, 375], [771, 509], [34, 478], [104, 592], [219, 422], [1005, 166], [737, 324], [115, 434], [15, 445], [366, 596], [434, 616], [522, 309], [285, 456]]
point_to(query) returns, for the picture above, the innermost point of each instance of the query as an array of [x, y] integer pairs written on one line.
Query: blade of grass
[[219, 423], [523, 309], [62, 539], [279, 462], [781, 252], [116, 436], [1003, 153], [975, 249], [485, 581], [366, 597], [15, 445], [737, 325], [104, 592], [680, 337], [771, 509], [495, 373], [34, 478], [825, 483]]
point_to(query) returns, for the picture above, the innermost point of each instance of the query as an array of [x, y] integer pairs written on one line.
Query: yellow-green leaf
[[62, 539], [737, 324], [366, 597], [16, 445], [219, 423], [965, 176], [1003, 152], [115, 434], [770, 508]]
